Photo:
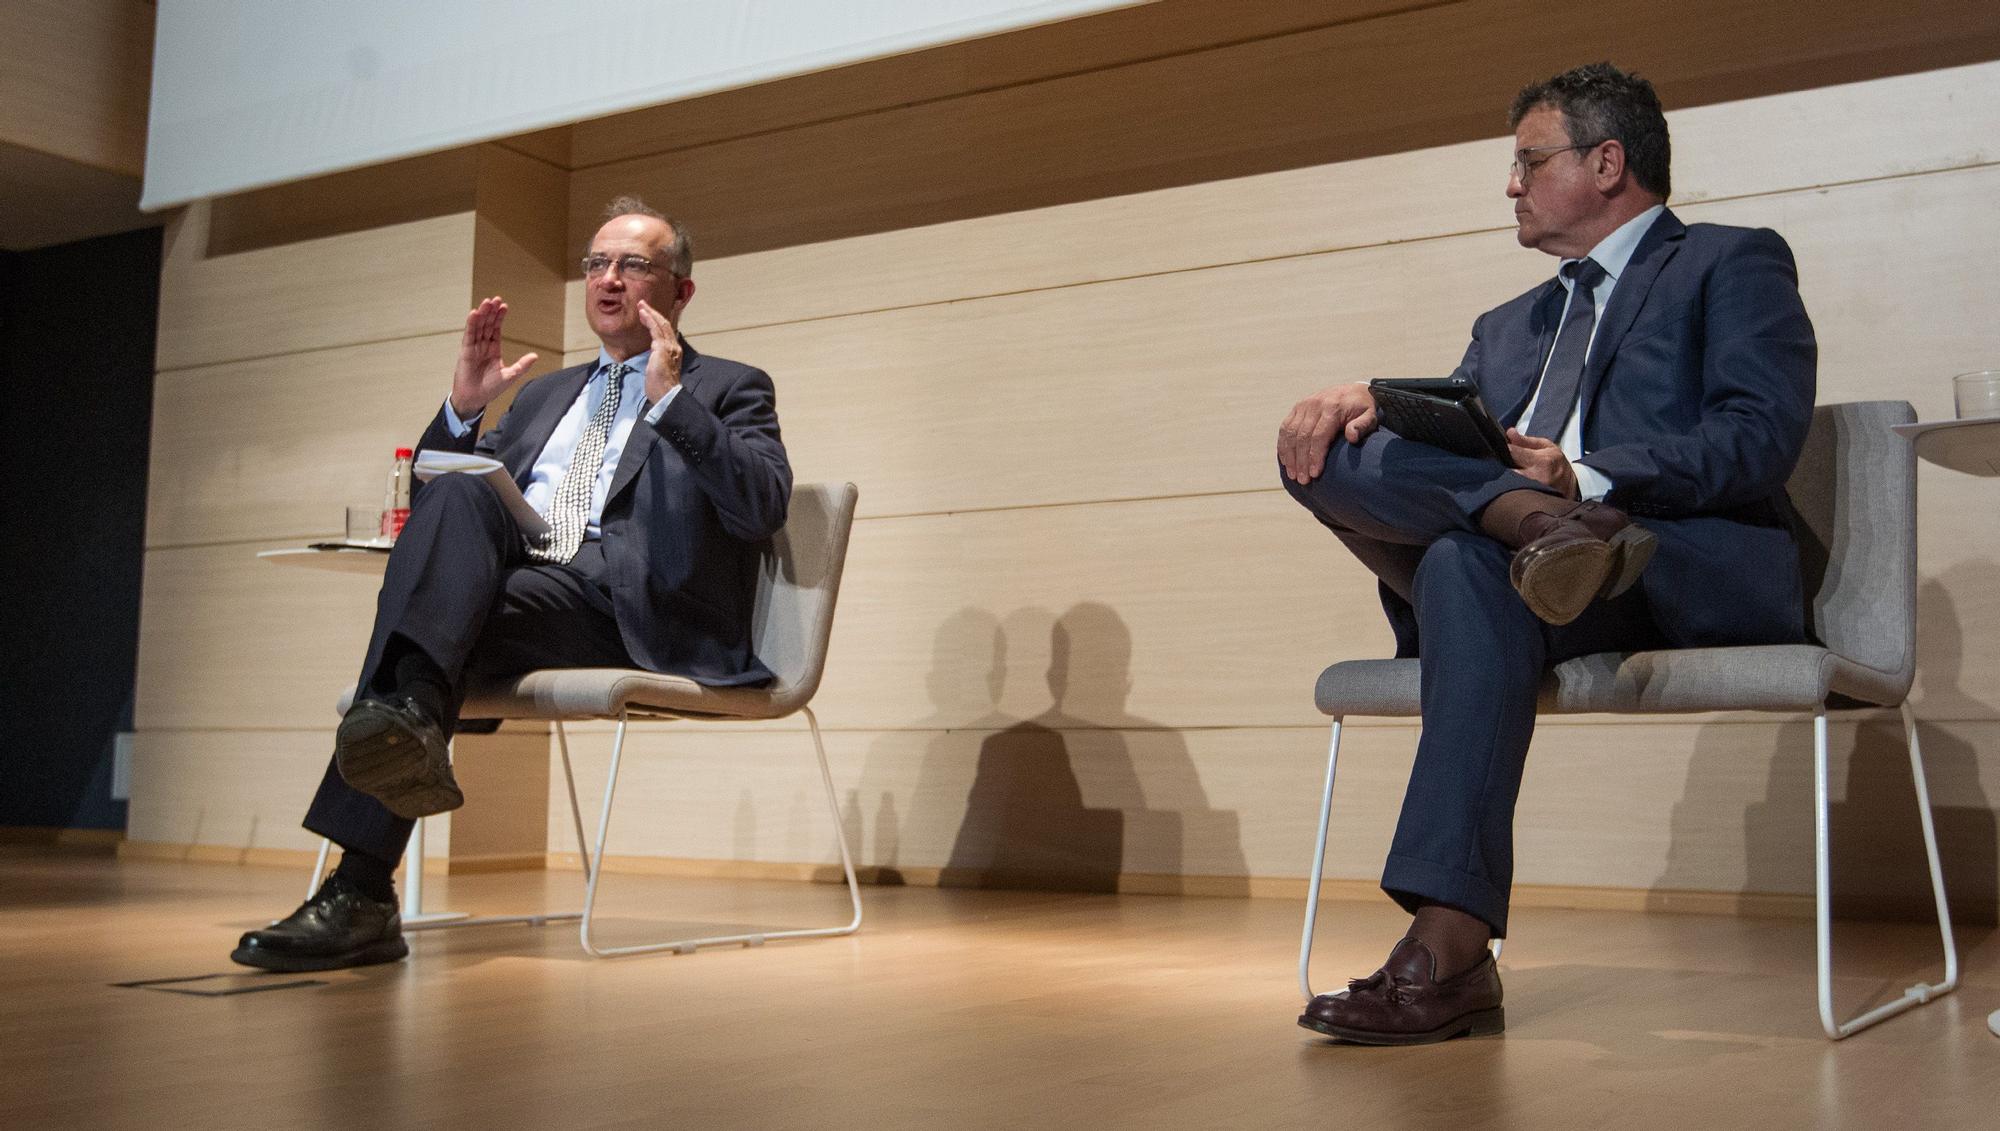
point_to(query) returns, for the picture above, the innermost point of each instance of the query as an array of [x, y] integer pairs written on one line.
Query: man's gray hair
[[680, 249]]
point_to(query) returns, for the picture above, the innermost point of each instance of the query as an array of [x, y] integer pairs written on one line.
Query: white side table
[[1971, 446]]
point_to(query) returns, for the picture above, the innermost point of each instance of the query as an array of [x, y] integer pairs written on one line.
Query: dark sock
[[370, 875], [408, 670], [1517, 518], [1457, 940]]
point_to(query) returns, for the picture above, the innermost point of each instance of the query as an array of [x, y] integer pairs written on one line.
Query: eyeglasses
[[1523, 169], [630, 266]]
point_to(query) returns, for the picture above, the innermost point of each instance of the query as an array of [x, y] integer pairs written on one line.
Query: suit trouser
[[1410, 513], [460, 587]]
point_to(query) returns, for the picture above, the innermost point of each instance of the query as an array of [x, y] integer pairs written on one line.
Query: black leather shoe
[[394, 752], [335, 929], [1403, 1003]]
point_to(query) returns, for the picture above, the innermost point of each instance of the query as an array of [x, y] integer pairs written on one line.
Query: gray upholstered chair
[[1856, 491], [798, 584]]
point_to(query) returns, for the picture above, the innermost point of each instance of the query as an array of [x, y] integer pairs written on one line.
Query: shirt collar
[[1614, 251], [636, 363]]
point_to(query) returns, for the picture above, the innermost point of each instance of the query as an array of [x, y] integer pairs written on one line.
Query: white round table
[[1971, 446]]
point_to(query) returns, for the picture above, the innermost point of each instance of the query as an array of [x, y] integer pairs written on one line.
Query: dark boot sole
[[1483, 1023], [378, 754], [374, 954], [1559, 583]]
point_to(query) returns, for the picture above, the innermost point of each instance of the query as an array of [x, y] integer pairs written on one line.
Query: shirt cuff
[[459, 427], [1591, 484], [653, 414]]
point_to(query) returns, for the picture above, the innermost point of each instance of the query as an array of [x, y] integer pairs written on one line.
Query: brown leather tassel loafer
[[1571, 558], [1403, 1003]]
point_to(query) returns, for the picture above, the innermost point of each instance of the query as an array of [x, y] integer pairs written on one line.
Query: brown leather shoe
[[1403, 1003], [1569, 558]]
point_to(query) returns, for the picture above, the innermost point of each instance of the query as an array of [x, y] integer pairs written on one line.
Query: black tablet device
[[1442, 412]]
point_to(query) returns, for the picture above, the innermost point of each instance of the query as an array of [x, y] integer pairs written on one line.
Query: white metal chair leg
[[575, 810], [1922, 992], [415, 918], [413, 890], [319, 868], [595, 869], [1318, 866]]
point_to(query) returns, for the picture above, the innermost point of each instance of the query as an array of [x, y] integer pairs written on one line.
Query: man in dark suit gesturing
[[660, 471], [1658, 392]]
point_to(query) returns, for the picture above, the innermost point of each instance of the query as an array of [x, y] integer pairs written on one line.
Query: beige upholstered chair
[[798, 585], [1856, 493]]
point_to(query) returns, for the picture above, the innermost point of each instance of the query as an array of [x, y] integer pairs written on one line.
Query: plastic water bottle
[[396, 497]]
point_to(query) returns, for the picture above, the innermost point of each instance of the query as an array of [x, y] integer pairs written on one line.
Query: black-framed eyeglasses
[[630, 266], [1522, 169]]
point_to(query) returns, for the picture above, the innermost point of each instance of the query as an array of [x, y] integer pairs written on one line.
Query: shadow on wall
[[1076, 798], [1876, 843]]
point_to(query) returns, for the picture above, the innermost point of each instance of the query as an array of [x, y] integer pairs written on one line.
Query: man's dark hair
[[1599, 102], [680, 250]]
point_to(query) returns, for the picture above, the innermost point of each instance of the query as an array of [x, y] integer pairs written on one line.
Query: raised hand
[[1310, 427], [480, 377], [663, 365]]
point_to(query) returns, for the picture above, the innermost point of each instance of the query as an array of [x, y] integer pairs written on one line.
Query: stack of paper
[[432, 464]]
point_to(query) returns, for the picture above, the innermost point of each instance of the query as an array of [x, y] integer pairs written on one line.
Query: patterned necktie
[[1565, 373], [569, 511]]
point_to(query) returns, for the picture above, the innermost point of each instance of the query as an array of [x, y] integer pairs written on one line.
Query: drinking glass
[[1976, 393], [364, 526]]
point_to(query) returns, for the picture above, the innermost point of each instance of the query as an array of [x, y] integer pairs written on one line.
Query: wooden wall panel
[[74, 79], [1174, 383], [1081, 621], [1668, 805], [246, 789], [518, 247], [1153, 607], [306, 332], [325, 422], [374, 196], [230, 642], [1158, 29], [1914, 124], [1431, 76], [398, 281], [304, 436]]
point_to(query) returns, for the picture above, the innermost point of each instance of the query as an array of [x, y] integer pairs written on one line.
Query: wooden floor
[[951, 1009]]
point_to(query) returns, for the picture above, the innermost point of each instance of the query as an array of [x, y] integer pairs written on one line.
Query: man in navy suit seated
[[662, 474], [1657, 392]]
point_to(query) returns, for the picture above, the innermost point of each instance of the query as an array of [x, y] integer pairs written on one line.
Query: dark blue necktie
[[1564, 378]]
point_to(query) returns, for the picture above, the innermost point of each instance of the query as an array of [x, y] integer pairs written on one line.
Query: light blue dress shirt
[[553, 462], [1613, 253]]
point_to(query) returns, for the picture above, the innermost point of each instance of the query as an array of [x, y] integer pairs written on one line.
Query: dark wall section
[[76, 367]]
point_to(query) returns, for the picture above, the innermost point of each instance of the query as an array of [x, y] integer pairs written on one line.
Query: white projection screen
[[248, 93]]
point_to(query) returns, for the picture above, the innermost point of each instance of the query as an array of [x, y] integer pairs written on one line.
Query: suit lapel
[[526, 446], [1547, 314], [639, 445], [1655, 248]]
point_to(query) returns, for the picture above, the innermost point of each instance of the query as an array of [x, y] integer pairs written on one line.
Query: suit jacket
[[1695, 403], [694, 502]]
